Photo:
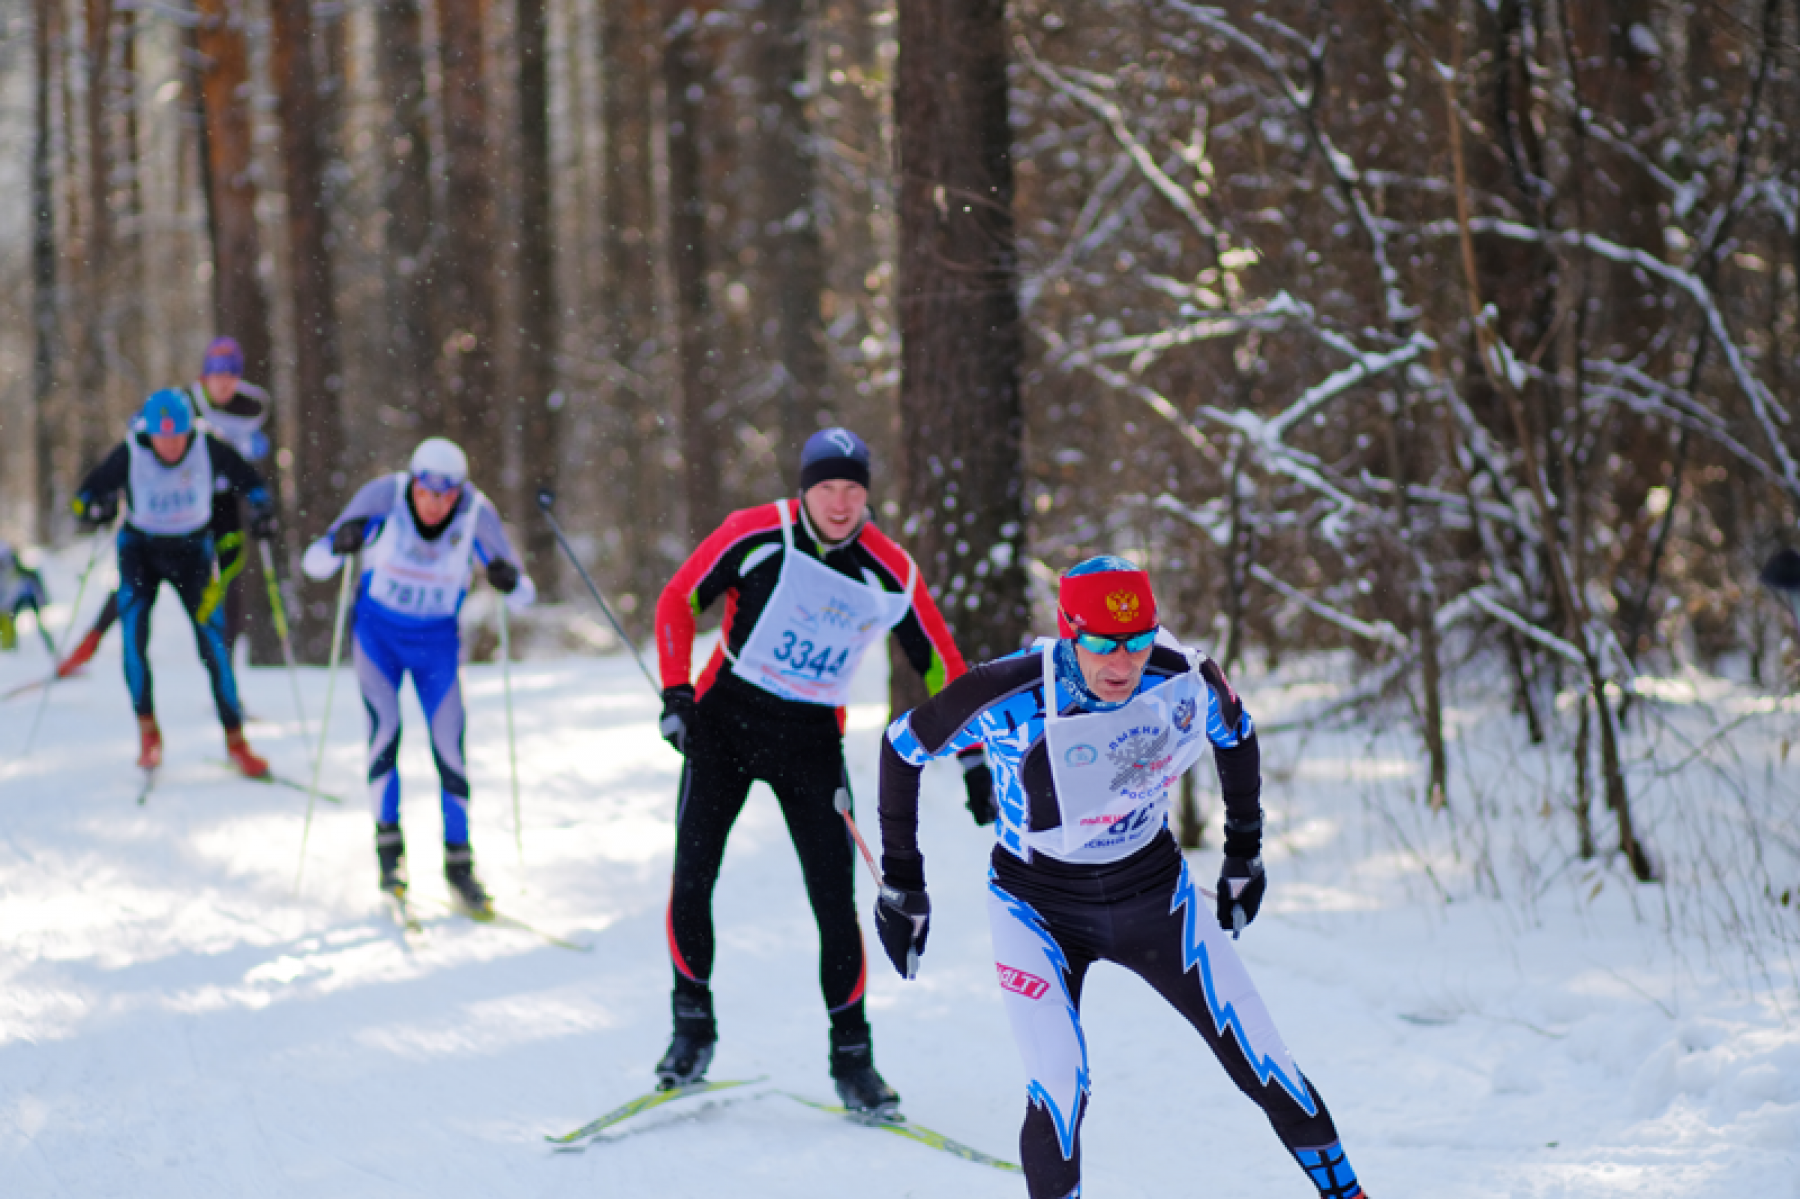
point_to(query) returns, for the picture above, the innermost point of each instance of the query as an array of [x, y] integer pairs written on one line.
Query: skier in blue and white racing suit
[[1086, 869], [420, 532]]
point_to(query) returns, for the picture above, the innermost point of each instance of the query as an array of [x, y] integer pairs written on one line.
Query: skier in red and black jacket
[[809, 586]]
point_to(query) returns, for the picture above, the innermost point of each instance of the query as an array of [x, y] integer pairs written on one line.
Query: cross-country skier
[[21, 591], [235, 411], [169, 471], [421, 531], [809, 586], [1086, 870]]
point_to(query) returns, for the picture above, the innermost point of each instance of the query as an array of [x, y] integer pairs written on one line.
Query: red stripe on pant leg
[[675, 949], [862, 976]]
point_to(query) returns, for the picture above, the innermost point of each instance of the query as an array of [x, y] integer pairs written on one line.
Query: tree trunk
[[408, 245], [790, 233], [240, 304], [468, 273], [685, 77], [320, 479], [538, 324], [629, 36], [43, 274], [95, 423], [962, 470], [131, 298]]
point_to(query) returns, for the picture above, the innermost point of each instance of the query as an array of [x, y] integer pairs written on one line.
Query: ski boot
[[459, 872], [82, 654], [249, 764], [390, 853], [150, 743], [690, 1049], [865, 1093]]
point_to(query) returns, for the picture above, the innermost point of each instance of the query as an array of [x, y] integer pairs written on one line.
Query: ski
[[149, 783], [644, 1103], [901, 1126], [501, 918], [30, 685], [276, 780], [27, 686]]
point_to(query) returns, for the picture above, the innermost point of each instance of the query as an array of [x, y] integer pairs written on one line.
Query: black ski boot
[[390, 852], [864, 1092], [459, 872], [690, 1050]]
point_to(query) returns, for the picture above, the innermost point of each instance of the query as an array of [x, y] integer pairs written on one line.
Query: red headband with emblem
[[1111, 603]]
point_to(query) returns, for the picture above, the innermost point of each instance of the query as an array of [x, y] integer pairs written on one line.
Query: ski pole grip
[[546, 499]]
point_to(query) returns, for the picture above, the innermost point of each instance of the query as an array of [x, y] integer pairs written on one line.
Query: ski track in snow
[[176, 1021]]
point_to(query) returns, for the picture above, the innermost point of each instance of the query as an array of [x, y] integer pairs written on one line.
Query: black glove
[[1241, 887], [978, 781], [263, 524], [503, 575], [350, 536], [679, 709], [94, 511], [903, 918]]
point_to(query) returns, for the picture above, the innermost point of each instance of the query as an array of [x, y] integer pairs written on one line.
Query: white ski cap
[[440, 456]]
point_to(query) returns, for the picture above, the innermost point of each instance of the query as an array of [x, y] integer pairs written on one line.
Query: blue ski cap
[[834, 454], [165, 414]]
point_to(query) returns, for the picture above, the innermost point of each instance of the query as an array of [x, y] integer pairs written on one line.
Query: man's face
[[836, 507], [434, 506], [1113, 677], [169, 447], [220, 388]]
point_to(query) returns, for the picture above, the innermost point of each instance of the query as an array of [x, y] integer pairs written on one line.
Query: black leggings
[[1052, 921], [186, 564], [798, 751]]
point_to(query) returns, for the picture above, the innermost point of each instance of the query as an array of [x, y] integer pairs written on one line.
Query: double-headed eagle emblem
[[1136, 757]]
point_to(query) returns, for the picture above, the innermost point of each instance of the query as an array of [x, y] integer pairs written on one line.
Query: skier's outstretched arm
[[97, 493], [362, 516]]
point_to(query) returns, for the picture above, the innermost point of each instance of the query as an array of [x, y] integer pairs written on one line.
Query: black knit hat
[[834, 454]]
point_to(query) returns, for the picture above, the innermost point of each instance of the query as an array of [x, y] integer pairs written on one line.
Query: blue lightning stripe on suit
[[1037, 1092], [1224, 1015]]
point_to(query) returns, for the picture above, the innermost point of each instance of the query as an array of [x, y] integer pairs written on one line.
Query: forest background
[[1457, 339]]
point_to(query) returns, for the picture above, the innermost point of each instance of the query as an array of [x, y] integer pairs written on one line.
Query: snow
[[176, 1021]]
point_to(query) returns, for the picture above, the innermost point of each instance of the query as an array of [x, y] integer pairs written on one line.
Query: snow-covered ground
[[177, 1020]]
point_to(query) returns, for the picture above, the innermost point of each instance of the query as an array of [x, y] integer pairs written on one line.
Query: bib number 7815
[[800, 656]]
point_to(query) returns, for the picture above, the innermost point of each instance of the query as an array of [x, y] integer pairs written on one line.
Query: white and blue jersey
[[1059, 904], [1001, 705], [415, 576]]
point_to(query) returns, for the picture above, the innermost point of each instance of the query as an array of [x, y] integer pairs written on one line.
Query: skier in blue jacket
[[420, 531], [1085, 736], [170, 470]]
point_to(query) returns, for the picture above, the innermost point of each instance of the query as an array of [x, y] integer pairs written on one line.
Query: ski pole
[[74, 616], [546, 499], [337, 644], [842, 802], [278, 613], [37, 614], [512, 743]]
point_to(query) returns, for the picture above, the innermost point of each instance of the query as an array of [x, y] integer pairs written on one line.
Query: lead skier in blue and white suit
[[420, 532], [1086, 870]]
